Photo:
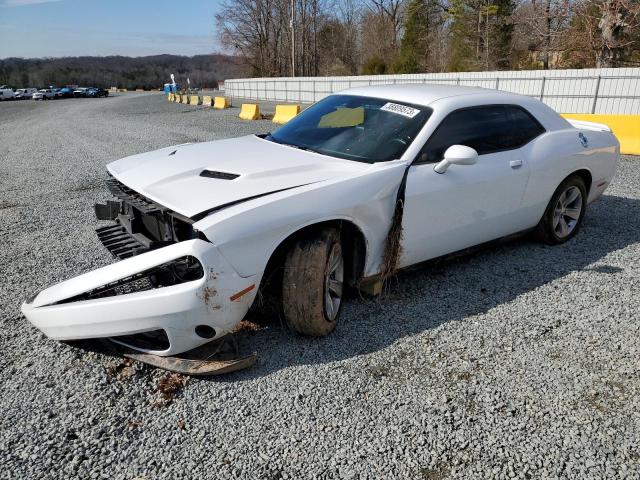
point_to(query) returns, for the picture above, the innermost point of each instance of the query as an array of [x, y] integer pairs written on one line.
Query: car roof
[[420, 94], [457, 96]]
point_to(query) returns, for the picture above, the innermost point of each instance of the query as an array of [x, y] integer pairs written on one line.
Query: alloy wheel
[[567, 212], [333, 282]]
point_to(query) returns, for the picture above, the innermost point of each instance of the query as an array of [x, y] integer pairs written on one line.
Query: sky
[[60, 28]]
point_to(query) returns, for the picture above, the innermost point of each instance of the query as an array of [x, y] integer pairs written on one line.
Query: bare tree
[[339, 41], [350, 36], [544, 24], [393, 12], [381, 28], [618, 22], [275, 37]]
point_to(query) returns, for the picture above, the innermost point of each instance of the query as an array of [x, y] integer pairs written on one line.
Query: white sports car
[[360, 184]]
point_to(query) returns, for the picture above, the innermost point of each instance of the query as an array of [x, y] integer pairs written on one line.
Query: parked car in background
[[97, 92], [80, 92], [67, 92], [44, 94], [6, 93], [57, 92], [24, 93]]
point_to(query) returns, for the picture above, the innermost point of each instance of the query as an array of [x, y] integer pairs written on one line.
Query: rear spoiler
[[581, 124]]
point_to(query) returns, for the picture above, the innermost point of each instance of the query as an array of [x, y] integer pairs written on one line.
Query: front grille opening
[[119, 242], [182, 270], [159, 228], [153, 340], [140, 224], [135, 232]]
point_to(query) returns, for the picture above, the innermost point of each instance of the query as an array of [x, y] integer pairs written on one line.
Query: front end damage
[[171, 292]]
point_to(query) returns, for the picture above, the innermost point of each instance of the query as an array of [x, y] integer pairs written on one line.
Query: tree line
[[348, 37], [117, 71]]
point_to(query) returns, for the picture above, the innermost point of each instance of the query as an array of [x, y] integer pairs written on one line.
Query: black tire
[[305, 288], [550, 230]]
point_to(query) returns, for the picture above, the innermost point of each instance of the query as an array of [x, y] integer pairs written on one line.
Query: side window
[[486, 129], [524, 127]]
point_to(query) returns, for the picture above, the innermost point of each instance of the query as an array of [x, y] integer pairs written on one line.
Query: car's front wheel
[[313, 284], [563, 217]]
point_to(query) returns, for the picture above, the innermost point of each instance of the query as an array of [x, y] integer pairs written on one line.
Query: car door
[[468, 204]]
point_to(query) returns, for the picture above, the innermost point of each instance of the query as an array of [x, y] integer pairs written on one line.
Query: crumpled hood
[[173, 179]]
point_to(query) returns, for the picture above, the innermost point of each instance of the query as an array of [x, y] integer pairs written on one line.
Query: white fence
[[605, 90]]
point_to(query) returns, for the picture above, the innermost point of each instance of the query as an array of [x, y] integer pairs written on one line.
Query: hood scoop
[[218, 175]]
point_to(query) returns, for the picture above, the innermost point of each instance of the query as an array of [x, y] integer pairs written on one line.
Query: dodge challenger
[[362, 183]]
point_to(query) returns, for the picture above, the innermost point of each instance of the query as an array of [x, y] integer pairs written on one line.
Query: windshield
[[355, 128]]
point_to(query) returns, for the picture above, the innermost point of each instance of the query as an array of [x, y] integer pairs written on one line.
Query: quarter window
[[487, 129]]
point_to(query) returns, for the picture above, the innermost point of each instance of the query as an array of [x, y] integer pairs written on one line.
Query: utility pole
[[293, 39]]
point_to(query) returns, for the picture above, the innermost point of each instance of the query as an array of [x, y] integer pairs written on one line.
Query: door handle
[[515, 163]]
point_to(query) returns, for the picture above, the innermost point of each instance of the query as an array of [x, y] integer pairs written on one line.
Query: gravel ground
[[520, 361]]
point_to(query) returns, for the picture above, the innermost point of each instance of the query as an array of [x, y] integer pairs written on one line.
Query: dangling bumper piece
[[163, 302]]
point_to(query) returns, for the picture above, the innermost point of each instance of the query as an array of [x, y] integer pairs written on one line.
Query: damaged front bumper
[[163, 302]]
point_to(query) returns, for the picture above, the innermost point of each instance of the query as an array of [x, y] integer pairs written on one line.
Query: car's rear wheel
[[313, 284], [563, 217]]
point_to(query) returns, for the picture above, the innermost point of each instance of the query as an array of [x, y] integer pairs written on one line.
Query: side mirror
[[456, 155]]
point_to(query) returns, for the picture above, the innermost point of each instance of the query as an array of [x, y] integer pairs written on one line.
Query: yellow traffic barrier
[[625, 127], [284, 113], [176, 97], [170, 97], [206, 100], [194, 100], [221, 102], [250, 111], [185, 99]]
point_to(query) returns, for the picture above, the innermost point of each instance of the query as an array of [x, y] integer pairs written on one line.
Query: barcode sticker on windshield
[[400, 109]]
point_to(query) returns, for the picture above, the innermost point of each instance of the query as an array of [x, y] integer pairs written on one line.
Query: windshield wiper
[[299, 147], [303, 147]]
